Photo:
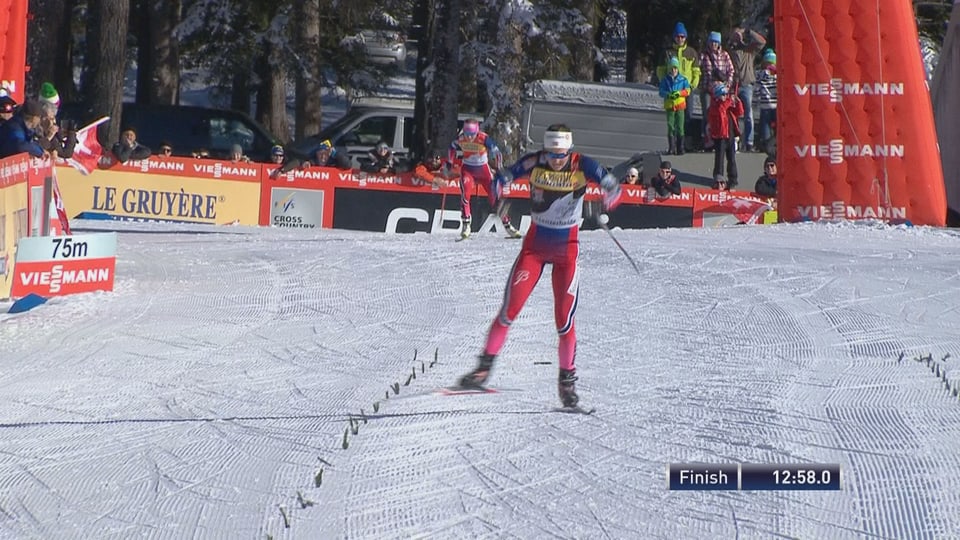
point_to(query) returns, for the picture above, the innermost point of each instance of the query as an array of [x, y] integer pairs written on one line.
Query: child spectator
[[632, 177], [674, 89], [689, 63], [766, 96], [128, 148], [715, 66], [166, 149], [276, 154], [7, 107], [725, 110], [17, 134], [237, 156], [381, 160], [665, 182], [766, 185]]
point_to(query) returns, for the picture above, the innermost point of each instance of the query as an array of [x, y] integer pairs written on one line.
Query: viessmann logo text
[[57, 277], [835, 89], [161, 204], [837, 150]]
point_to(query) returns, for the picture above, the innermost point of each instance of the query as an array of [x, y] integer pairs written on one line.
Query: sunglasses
[[557, 155], [666, 170], [631, 176], [166, 150]]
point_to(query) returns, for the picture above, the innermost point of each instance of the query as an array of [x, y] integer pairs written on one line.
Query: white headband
[[557, 140]]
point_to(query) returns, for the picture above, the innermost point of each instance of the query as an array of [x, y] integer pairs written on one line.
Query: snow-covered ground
[[227, 388]]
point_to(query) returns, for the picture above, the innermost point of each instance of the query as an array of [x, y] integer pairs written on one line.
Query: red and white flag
[[87, 152], [58, 203]]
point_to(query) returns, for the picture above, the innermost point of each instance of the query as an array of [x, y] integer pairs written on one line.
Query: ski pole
[[602, 220]]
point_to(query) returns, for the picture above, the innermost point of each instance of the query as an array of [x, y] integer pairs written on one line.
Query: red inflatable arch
[[855, 130]]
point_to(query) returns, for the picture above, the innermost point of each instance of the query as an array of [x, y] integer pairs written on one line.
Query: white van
[[367, 122]]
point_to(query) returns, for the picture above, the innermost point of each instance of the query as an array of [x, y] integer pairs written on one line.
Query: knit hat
[[769, 56], [277, 150], [719, 89], [324, 145], [48, 94], [770, 159], [632, 171], [679, 30], [673, 63], [715, 36]]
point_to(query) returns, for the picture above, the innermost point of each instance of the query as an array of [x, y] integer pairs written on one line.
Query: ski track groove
[[788, 357]]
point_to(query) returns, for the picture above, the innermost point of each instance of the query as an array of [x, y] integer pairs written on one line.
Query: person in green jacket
[[689, 64]]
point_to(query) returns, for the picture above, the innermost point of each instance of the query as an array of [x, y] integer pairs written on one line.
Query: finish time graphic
[[753, 476]]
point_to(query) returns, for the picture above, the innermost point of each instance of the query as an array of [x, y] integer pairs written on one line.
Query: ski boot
[[566, 387], [465, 229], [479, 376], [512, 231]]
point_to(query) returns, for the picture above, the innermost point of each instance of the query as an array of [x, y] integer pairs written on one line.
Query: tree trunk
[[584, 55], [424, 32], [308, 84], [634, 65], [504, 82], [164, 74], [43, 43], [445, 90], [271, 94], [106, 61]]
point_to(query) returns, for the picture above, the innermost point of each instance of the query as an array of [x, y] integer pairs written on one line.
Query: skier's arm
[[595, 172]]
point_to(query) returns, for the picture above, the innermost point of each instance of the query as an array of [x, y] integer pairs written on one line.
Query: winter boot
[[566, 387], [680, 149], [477, 377], [465, 229], [671, 141]]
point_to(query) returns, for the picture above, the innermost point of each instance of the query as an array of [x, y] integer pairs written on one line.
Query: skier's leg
[[466, 189], [566, 291], [523, 278]]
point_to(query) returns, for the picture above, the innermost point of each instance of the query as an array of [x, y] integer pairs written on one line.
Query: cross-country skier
[[558, 182], [477, 148]]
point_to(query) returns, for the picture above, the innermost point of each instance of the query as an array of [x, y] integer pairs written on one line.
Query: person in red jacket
[[432, 169], [724, 127]]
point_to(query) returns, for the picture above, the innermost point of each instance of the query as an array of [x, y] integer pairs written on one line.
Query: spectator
[[166, 149], [59, 143], [765, 93], [674, 89], [434, 170], [48, 94], [381, 160], [632, 177], [744, 46], [202, 153], [128, 148], [276, 154], [715, 66], [766, 185], [237, 155], [17, 134], [725, 110], [325, 155], [665, 182], [7, 107], [689, 64]]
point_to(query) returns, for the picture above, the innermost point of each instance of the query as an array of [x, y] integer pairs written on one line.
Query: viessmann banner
[[14, 221], [166, 189]]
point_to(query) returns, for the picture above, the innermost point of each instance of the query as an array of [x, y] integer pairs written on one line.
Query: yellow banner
[[13, 227], [129, 195]]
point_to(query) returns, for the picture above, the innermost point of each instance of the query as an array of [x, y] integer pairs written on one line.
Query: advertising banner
[[723, 209], [14, 220], [13, 48], [60, 265], [859, 141], [166, 189]]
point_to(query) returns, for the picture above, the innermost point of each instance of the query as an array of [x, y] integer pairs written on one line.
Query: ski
[[576, 410], [466, 390]]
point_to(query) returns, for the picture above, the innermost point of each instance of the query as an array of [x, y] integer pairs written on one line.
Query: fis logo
[[285, 204]]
